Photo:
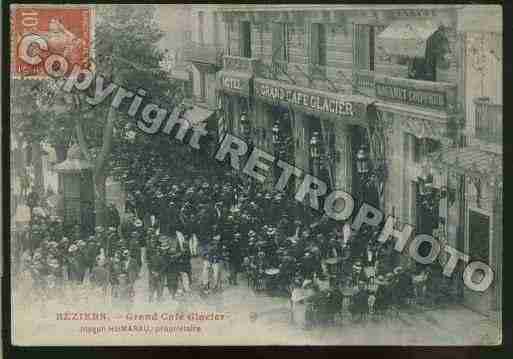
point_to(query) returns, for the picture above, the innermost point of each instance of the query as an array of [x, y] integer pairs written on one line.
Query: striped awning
[[407, 37], [470, 161]]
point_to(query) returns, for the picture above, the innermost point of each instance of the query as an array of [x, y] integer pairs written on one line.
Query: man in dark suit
[[113, 219], [172, 263]]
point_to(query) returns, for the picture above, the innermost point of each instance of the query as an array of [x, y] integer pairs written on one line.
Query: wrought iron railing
[[238, 63], [204, 53], [273, 70], [488, 120], [363, 82]]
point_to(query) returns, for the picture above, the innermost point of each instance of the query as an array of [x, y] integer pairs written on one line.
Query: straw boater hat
[[99, 229], [72, 248], [398, 270], [54, 263], [138, 223], [380, 280]]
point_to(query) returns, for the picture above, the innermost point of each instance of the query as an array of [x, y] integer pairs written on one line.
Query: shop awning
[[470, 161], [197, 116], [407, 37]]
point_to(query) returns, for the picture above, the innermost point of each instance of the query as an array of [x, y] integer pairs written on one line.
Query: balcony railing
[[272, 70], [488, 121], [242, 64], [363, 82], [204, 53]]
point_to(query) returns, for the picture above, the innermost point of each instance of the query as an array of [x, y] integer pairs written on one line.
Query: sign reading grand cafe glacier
[[298, 96]]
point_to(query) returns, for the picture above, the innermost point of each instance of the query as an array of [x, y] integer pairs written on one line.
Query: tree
[[126, 53]]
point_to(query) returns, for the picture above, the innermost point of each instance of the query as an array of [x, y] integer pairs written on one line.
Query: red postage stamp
[[45, 37]]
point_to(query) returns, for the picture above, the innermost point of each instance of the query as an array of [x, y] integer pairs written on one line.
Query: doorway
[[479, 236]]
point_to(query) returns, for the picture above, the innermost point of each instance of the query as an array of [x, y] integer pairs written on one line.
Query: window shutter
[[285, 39], [372, 49], [276, 41], [322, 45], [362, 44], [245, 39], [307, 40], [356, 52], [241, 39], [314, 44]]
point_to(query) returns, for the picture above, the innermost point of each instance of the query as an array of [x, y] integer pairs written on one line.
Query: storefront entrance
[[478, 250], [426, 218], [479, 236]]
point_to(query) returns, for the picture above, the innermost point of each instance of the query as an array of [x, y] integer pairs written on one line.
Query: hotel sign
[[238, 83], [411, 96], [311, 100]]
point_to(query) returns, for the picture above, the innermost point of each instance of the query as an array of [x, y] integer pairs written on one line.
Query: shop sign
[[300, 97], [411, 96], [233, 83]]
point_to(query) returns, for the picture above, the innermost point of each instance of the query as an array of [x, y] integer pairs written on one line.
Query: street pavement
[[258, 319]]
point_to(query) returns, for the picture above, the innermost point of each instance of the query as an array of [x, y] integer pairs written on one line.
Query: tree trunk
[[61, 152], [100, 197], [37, 163]]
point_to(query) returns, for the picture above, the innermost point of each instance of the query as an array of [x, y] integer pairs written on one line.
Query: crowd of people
[[235, 230]]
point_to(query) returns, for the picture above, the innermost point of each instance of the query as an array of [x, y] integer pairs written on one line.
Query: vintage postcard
[[252, 174]]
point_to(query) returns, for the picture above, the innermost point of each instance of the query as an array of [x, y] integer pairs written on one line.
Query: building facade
[[327, 87]]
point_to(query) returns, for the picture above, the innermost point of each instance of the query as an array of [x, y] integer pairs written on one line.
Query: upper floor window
[[280, 42], [245, 39], [318, 44], [363, 46], [201, 21]]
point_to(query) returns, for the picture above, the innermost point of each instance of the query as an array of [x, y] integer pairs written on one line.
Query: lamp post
[[363, 170], [245, 126], [277, 143], [315, 152]]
